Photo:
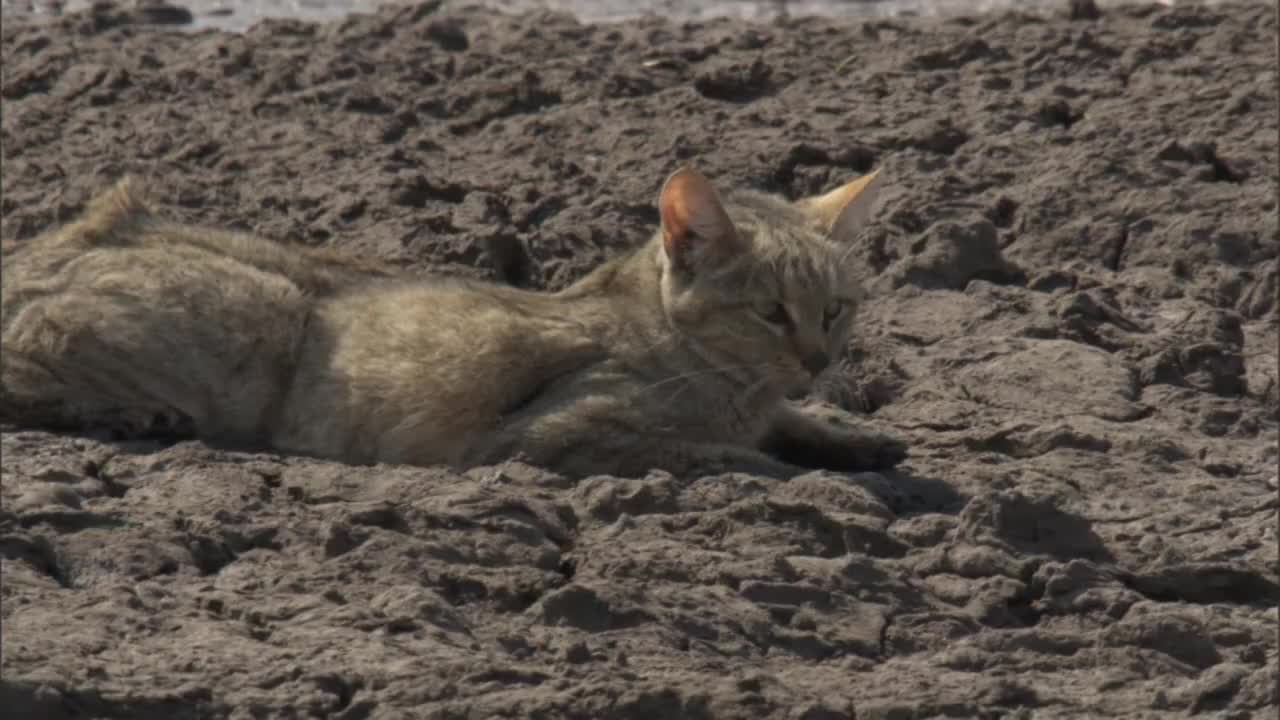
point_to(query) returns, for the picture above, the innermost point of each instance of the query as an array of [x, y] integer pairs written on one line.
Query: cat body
[[679, 355]]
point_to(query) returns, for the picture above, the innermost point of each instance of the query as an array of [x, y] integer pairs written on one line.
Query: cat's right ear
[[696, 230], [844, 211]]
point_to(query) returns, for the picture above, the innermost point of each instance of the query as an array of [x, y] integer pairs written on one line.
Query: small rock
[[45, 495], [736, 82], [449, 35], [162, 13], [1083, 10], [340, 540], [577, 653]]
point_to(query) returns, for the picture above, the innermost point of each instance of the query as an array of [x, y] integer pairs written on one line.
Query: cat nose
[[816, 361]]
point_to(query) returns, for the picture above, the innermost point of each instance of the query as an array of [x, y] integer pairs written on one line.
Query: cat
[[681, 355]]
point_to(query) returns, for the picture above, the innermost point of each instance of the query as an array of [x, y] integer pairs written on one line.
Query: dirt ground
[[1073, 313]]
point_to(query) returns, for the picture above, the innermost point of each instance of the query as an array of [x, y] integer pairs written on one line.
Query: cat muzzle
[[816, 361]]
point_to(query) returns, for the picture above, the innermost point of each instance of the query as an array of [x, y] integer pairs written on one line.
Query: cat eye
[[832, 312], [774, 314]]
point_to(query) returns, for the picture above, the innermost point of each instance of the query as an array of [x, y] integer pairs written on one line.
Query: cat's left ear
[[845, 210], [696, 230]]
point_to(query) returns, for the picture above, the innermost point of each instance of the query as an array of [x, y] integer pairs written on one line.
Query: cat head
[[761, 287]]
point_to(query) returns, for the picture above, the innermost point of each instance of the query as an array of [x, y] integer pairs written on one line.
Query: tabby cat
[[683, 355]]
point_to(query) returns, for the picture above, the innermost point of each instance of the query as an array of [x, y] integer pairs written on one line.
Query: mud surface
[[1073, 318]]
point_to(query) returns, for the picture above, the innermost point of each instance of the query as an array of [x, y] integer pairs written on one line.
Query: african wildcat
[[679, 355]]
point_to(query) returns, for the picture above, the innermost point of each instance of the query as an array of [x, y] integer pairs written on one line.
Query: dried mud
[[1073, 318]]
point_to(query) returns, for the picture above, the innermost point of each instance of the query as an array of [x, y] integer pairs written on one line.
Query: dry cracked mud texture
[[1073, 318]]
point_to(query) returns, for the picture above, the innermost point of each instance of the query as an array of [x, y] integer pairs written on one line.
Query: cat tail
[[113, 216]]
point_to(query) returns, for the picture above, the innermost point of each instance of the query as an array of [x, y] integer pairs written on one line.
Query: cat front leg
[[682, 459], [810, 441], [577, 442], [589, 456], [691, 459]]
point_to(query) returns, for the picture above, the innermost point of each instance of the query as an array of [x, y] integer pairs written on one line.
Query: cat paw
[[117, 425], [846, 451], [758, 466], [864, 450], [881, 452]]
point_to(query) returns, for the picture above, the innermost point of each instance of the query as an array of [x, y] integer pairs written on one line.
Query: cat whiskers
[[722, 370], [670, 340], [755, 387]]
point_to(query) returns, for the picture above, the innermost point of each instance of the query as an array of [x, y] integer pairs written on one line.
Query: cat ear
[[846, 209], [696, 230]]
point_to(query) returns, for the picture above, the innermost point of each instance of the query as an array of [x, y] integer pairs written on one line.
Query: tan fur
[[679, 355]]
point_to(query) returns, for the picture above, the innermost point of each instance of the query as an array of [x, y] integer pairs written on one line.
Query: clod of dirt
[[938, 136], [951, 254], [735, 82]]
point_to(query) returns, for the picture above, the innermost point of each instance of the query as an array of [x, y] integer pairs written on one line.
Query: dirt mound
[[1073, 318]]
